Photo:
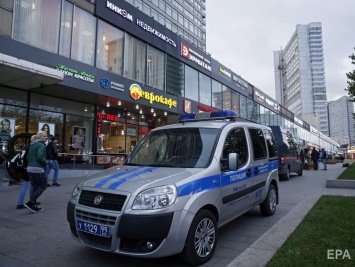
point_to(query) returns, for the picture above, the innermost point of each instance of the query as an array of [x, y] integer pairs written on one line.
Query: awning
[[18, 73]]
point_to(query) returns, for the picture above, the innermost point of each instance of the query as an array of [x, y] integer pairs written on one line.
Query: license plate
[[93, 228]]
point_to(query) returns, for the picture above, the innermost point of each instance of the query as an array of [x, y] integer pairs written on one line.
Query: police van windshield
[[180, 148]]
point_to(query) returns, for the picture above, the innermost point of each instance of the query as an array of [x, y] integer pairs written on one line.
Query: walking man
[[36, 158], [52, 160], [323, 158], [315, 158]]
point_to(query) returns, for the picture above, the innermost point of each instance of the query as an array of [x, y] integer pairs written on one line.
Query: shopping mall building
[[115, 73]]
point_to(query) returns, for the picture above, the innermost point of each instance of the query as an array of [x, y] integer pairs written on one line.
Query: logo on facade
[[192, 55], [136, 93], [105, 83], [119, 11]]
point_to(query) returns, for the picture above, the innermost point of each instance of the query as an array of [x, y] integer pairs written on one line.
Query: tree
[[351, 80]]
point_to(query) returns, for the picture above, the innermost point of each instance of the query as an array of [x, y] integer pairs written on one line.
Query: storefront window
[[83, 43], [216, 94], [191, 83], [66, 29], [155, 68], [243, 107], [78, 135], [174, 76], [12, 122], [205, 89], [50, 122], [134, 59], [37, 23], [235, 102], [227, 97], [109, 53]]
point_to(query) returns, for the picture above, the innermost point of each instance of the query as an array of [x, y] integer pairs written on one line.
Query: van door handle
[[256, 170], [248, 172]]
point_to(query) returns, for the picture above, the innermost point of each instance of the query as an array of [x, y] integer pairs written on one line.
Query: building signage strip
[[153, 31], [190, 54], [76, 74], [136, 93], [119, 11]]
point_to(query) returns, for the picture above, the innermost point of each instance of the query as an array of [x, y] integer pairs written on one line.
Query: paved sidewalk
[[44, 239]]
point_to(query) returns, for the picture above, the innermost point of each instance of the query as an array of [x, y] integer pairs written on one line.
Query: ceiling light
[[119, 103], [154, 114], [141, 111], [165, 113], [86, 109], [128, 113], [152, 110], [137, 106]]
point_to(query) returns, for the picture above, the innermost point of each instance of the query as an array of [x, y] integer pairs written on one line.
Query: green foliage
[[349, 173], [351, 80], [329, 225]]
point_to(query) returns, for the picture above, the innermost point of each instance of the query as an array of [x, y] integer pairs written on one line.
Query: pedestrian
[[36, 158], [26, 179], [323, 158], [302, 157], [52, 161], [315, 158]]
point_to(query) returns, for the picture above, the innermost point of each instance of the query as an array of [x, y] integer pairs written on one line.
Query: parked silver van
[[180, 184]]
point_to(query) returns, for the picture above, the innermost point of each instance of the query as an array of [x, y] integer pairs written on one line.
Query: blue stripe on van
[[212, 182], [104, 181], [134, 175]]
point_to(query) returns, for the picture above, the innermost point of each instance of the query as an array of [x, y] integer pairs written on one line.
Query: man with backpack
[[52, 160]]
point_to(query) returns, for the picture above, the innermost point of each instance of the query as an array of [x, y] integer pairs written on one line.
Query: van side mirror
[[233, 159]]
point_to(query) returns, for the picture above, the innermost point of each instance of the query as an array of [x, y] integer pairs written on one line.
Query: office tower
[[341, 121], [299, 75], [186, 18]]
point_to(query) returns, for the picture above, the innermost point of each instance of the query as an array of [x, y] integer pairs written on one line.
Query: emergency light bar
[[216, 115]]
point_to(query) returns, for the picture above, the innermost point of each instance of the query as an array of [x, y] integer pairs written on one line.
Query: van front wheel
[[268, 207], [201, 240]]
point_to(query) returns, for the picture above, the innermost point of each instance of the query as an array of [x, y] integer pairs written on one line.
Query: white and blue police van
[[180, 184]]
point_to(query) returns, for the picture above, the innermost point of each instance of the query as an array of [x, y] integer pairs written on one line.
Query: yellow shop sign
[[136, 92]]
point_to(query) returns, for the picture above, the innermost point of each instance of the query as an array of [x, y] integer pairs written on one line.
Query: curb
[[263, 249]]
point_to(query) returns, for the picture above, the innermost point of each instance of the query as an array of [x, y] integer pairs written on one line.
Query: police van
[[180, 184]]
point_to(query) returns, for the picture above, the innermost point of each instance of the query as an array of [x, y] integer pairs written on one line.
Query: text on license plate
[[93, 228]]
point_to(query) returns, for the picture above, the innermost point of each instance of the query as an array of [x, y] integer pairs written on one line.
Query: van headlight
[[76, 190], [155, 198]]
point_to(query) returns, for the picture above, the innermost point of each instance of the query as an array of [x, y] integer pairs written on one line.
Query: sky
[[242, 35]]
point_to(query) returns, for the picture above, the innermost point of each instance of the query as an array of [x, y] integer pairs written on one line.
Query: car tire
[[201, 240], [300, 172], [268, 207], [286, 176]]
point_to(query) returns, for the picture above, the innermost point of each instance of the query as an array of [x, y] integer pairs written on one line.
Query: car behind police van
[[180, 184], [287, 152]]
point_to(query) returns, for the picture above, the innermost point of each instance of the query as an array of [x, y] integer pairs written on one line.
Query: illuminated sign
[[119, 11], [108, 117], [106, 84], [136, 93], [153, 31], [192, 55], [76, 74], [207, 109], [225, 72]]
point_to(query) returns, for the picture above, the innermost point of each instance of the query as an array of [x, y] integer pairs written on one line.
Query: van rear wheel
[[286, 176], [201, 240], [268, 207]]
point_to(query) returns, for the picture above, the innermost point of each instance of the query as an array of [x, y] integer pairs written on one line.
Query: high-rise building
[[341, 121], [299, 75], [186, 18]]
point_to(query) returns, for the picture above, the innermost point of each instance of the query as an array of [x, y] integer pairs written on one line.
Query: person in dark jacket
[[315, 158], [323, 158], [52, 160], [36, 159]]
